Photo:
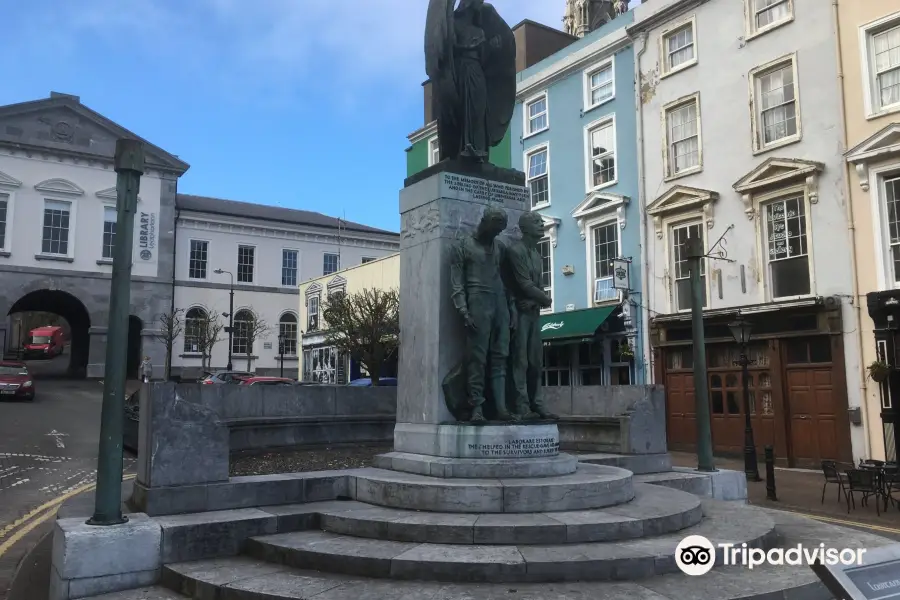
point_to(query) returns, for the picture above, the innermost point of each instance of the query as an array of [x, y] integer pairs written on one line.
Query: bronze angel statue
[[470, 58]]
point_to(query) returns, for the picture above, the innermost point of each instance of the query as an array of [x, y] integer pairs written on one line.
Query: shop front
[[884, 308], [796, 380], [587, 347]]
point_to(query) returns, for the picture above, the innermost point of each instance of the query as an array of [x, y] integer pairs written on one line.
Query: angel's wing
[[500, 73], [439, 38]]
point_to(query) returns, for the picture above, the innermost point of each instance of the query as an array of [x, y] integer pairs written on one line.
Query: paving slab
[[638, 464]]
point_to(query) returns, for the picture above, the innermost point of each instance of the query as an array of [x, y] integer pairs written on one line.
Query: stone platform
[[492, 440], [244, 577]]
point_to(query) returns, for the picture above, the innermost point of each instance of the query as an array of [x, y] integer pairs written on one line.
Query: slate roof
[[248, 210]]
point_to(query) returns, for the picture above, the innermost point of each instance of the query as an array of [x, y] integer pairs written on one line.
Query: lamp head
[[741, 330], [218, 271]]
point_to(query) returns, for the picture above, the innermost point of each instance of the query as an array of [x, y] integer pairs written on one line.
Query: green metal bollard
[[129, 165], [696, 253]]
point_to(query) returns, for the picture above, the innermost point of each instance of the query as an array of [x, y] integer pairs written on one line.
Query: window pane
[[289, 268], [787, 247], [601, 85], [778, 109], [4, 201], [287, 330], [606, 248], [194, 321], [55, 238], [245, 264], [330, 264], [603, 154], [538, 180], [546, 267], [770, 11], [537, 115], [684, 139], [680, 46], [109, 231], [197, 260], [680, 267]]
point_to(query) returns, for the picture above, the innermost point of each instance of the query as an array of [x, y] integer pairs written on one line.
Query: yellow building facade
[[869, 66], [318, 361]]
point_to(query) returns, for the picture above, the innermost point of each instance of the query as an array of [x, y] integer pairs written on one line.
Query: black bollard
[[770, 473]]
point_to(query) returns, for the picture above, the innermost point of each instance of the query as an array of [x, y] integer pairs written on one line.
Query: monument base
[[477, 468], [482, 441]]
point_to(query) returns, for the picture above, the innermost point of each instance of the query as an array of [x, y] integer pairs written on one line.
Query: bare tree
[[207, 331], [249, 327], [171, 326], [365, 325]]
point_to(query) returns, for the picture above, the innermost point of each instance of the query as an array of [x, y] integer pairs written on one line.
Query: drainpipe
[[642, 191], [174, 268], [851, 224]]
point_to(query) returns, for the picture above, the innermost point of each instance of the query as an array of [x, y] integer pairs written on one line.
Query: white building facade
[[266, 252], [57, 230], [738, 135]]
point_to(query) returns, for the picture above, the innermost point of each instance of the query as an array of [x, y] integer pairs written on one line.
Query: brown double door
[[795, 400]]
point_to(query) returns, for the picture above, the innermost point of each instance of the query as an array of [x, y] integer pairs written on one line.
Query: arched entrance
[[133, 360], [75, 315]]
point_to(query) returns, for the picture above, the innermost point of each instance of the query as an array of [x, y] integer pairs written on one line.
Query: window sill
[[685, 173], [890, 110], [236, 357], [541, 206], [190, 355], [679, 69], [534, 133], [104, 261], [776, 145], [5, 254], [761, 32], [793, 298], [608, 184], [588, 109], [54, 257], [291, 358]]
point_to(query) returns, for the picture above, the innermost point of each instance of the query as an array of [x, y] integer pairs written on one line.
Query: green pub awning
[[574, 324]]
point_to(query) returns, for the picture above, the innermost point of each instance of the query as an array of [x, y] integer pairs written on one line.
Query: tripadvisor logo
[[696, 555]]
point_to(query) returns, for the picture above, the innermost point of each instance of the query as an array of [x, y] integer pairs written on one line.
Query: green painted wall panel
[[417, 155]]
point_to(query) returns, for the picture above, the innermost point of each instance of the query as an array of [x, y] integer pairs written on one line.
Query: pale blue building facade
[[574, 134]]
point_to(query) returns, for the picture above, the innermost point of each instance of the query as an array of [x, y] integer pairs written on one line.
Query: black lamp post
[[740, 330], [281, 351], [230, 314]]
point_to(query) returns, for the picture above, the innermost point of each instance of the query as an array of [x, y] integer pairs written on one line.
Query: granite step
[[654, 511], [477, 468], [638, 464], [591, 486], [621, 560], [243, 578]]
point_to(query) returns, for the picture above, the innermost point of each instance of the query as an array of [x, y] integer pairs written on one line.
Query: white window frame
[[667, 149], [761, 201], [670, 224], [434, 148], [526, 118], [546, 238], [235, 337], [871, 96], [756, 113], [318, 298], [106, 207], [324, 254], [589, 226], [6, 246], [750, 11], [666, 69], [296, 325], [544, 147], [883, 262], [208, 244], [185, 337], [237, 264], [607, 63], [588, 159], [70, 243], [297, 274]]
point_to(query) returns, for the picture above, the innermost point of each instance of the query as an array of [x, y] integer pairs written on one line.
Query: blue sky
[[299, 103]]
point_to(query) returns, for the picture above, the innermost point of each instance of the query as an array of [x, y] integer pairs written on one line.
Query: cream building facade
[[319, 361], [869, 69]]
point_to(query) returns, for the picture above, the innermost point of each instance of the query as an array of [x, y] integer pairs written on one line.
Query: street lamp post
[[281, 351], [230, 314], [740, 330]]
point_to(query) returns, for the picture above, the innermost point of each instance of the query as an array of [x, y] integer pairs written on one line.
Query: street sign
[[877, 578]]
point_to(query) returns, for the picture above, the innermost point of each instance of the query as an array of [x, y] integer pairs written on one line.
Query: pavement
[[48, 454]]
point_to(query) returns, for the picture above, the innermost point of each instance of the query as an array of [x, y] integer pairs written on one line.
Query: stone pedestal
[[437, 207]]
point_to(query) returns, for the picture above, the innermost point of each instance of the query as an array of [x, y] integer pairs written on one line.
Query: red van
[[44, 342]]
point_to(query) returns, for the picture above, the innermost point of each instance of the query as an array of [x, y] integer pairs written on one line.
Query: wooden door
[[681, 408], [812, 402], [726, 403]]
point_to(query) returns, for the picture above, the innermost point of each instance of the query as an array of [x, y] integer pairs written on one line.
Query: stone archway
[[71, 309]]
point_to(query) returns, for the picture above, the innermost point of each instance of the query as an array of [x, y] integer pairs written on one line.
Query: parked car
[[267, 381], [44, 342], [223, 377], [367, 382], [15, 381]]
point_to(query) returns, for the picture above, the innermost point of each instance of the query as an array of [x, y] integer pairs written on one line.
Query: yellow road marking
[[41, 515], [14, 538], [853, 523]]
